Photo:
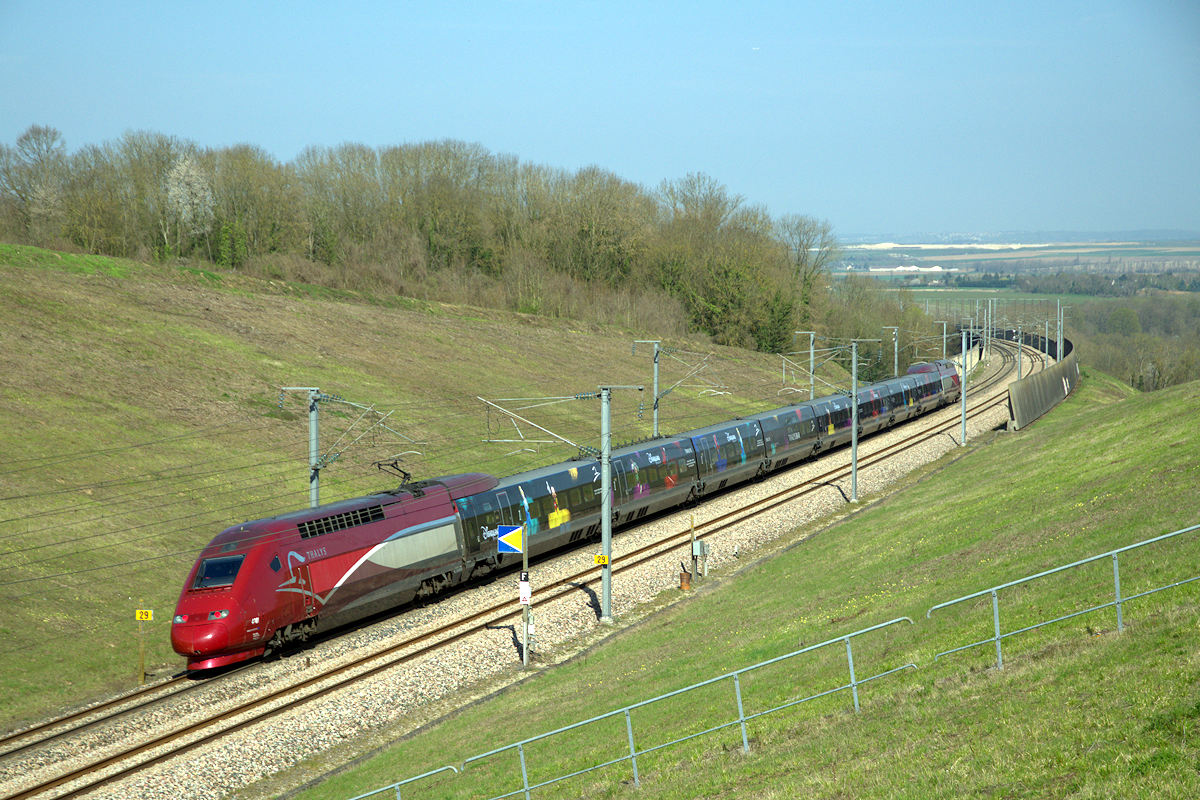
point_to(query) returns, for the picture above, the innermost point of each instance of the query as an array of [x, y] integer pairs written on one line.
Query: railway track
[[156, 749]]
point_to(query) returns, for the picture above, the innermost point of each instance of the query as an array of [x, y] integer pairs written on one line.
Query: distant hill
[[1004, 237]]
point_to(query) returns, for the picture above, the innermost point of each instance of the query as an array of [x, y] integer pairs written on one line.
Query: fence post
[[632, 749], [853, 680], [1117, 585], [737, 689], [996, 625], [524, 772]]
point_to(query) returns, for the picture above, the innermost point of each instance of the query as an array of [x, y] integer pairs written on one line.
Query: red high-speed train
[[261, 584]]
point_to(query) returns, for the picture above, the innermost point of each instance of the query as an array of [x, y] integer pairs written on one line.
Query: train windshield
[[218, 571]]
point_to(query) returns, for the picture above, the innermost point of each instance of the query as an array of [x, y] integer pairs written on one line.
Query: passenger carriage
[[728, 453], [789, 434]]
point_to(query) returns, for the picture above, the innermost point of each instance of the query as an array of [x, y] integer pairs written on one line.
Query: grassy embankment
[[1078, 710], [140, 415]]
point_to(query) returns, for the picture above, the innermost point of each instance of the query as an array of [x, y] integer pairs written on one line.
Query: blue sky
[[881, 117]]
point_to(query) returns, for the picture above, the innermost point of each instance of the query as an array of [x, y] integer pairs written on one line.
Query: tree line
[[1102, 284], [1152, 341], [1146, 332], [444, 220]]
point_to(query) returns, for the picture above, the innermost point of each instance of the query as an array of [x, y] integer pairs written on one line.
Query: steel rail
[[116, 707], [70, 717]]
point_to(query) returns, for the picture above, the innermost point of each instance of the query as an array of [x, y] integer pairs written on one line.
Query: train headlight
[[218, 614], [180, 619]]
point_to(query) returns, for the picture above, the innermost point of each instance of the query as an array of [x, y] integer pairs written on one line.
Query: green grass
[[1077, 711], [139, 416], [38, 258]]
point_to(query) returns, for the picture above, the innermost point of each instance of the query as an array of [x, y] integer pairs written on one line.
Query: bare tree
[[92, 202], [32, 176], [811, 248], [699, 198], [143, 160]]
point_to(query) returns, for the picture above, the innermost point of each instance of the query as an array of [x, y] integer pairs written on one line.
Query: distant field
[[1077, 711], [1021, 256], [955, 302]]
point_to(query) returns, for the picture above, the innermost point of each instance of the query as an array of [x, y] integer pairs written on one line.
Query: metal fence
[[998, 636], [634, 752], [396, 786]]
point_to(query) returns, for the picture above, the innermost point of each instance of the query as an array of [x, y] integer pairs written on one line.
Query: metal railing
[[1118, 601], [396, 786], [742, 717], [854, 683], [634, 751]]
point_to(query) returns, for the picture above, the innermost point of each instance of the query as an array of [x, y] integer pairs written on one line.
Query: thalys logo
[[297, 578]]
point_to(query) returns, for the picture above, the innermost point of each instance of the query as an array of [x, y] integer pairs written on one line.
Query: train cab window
[[219, 571]]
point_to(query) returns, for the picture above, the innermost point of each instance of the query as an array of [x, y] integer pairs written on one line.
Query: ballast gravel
[[397, 700]]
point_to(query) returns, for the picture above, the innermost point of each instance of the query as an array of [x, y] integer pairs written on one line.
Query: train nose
[[193, 640]]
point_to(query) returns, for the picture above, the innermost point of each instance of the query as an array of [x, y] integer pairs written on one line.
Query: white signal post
[[606, 501], [963, 390], [512, 539], [854, 417], [525, 597]]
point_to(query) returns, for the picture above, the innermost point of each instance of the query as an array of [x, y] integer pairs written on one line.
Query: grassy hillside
[[140, 414], [1078, 710]]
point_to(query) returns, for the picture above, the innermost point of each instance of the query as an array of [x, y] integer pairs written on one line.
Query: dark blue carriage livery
[[560, 504]]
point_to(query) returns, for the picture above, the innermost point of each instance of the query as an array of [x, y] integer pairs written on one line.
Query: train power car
[[266, 582]]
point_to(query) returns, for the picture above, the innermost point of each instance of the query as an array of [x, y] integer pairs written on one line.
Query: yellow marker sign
[[600, 559], [143, 615]]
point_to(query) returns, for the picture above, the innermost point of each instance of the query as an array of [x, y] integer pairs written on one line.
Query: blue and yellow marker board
[[510, 538]]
